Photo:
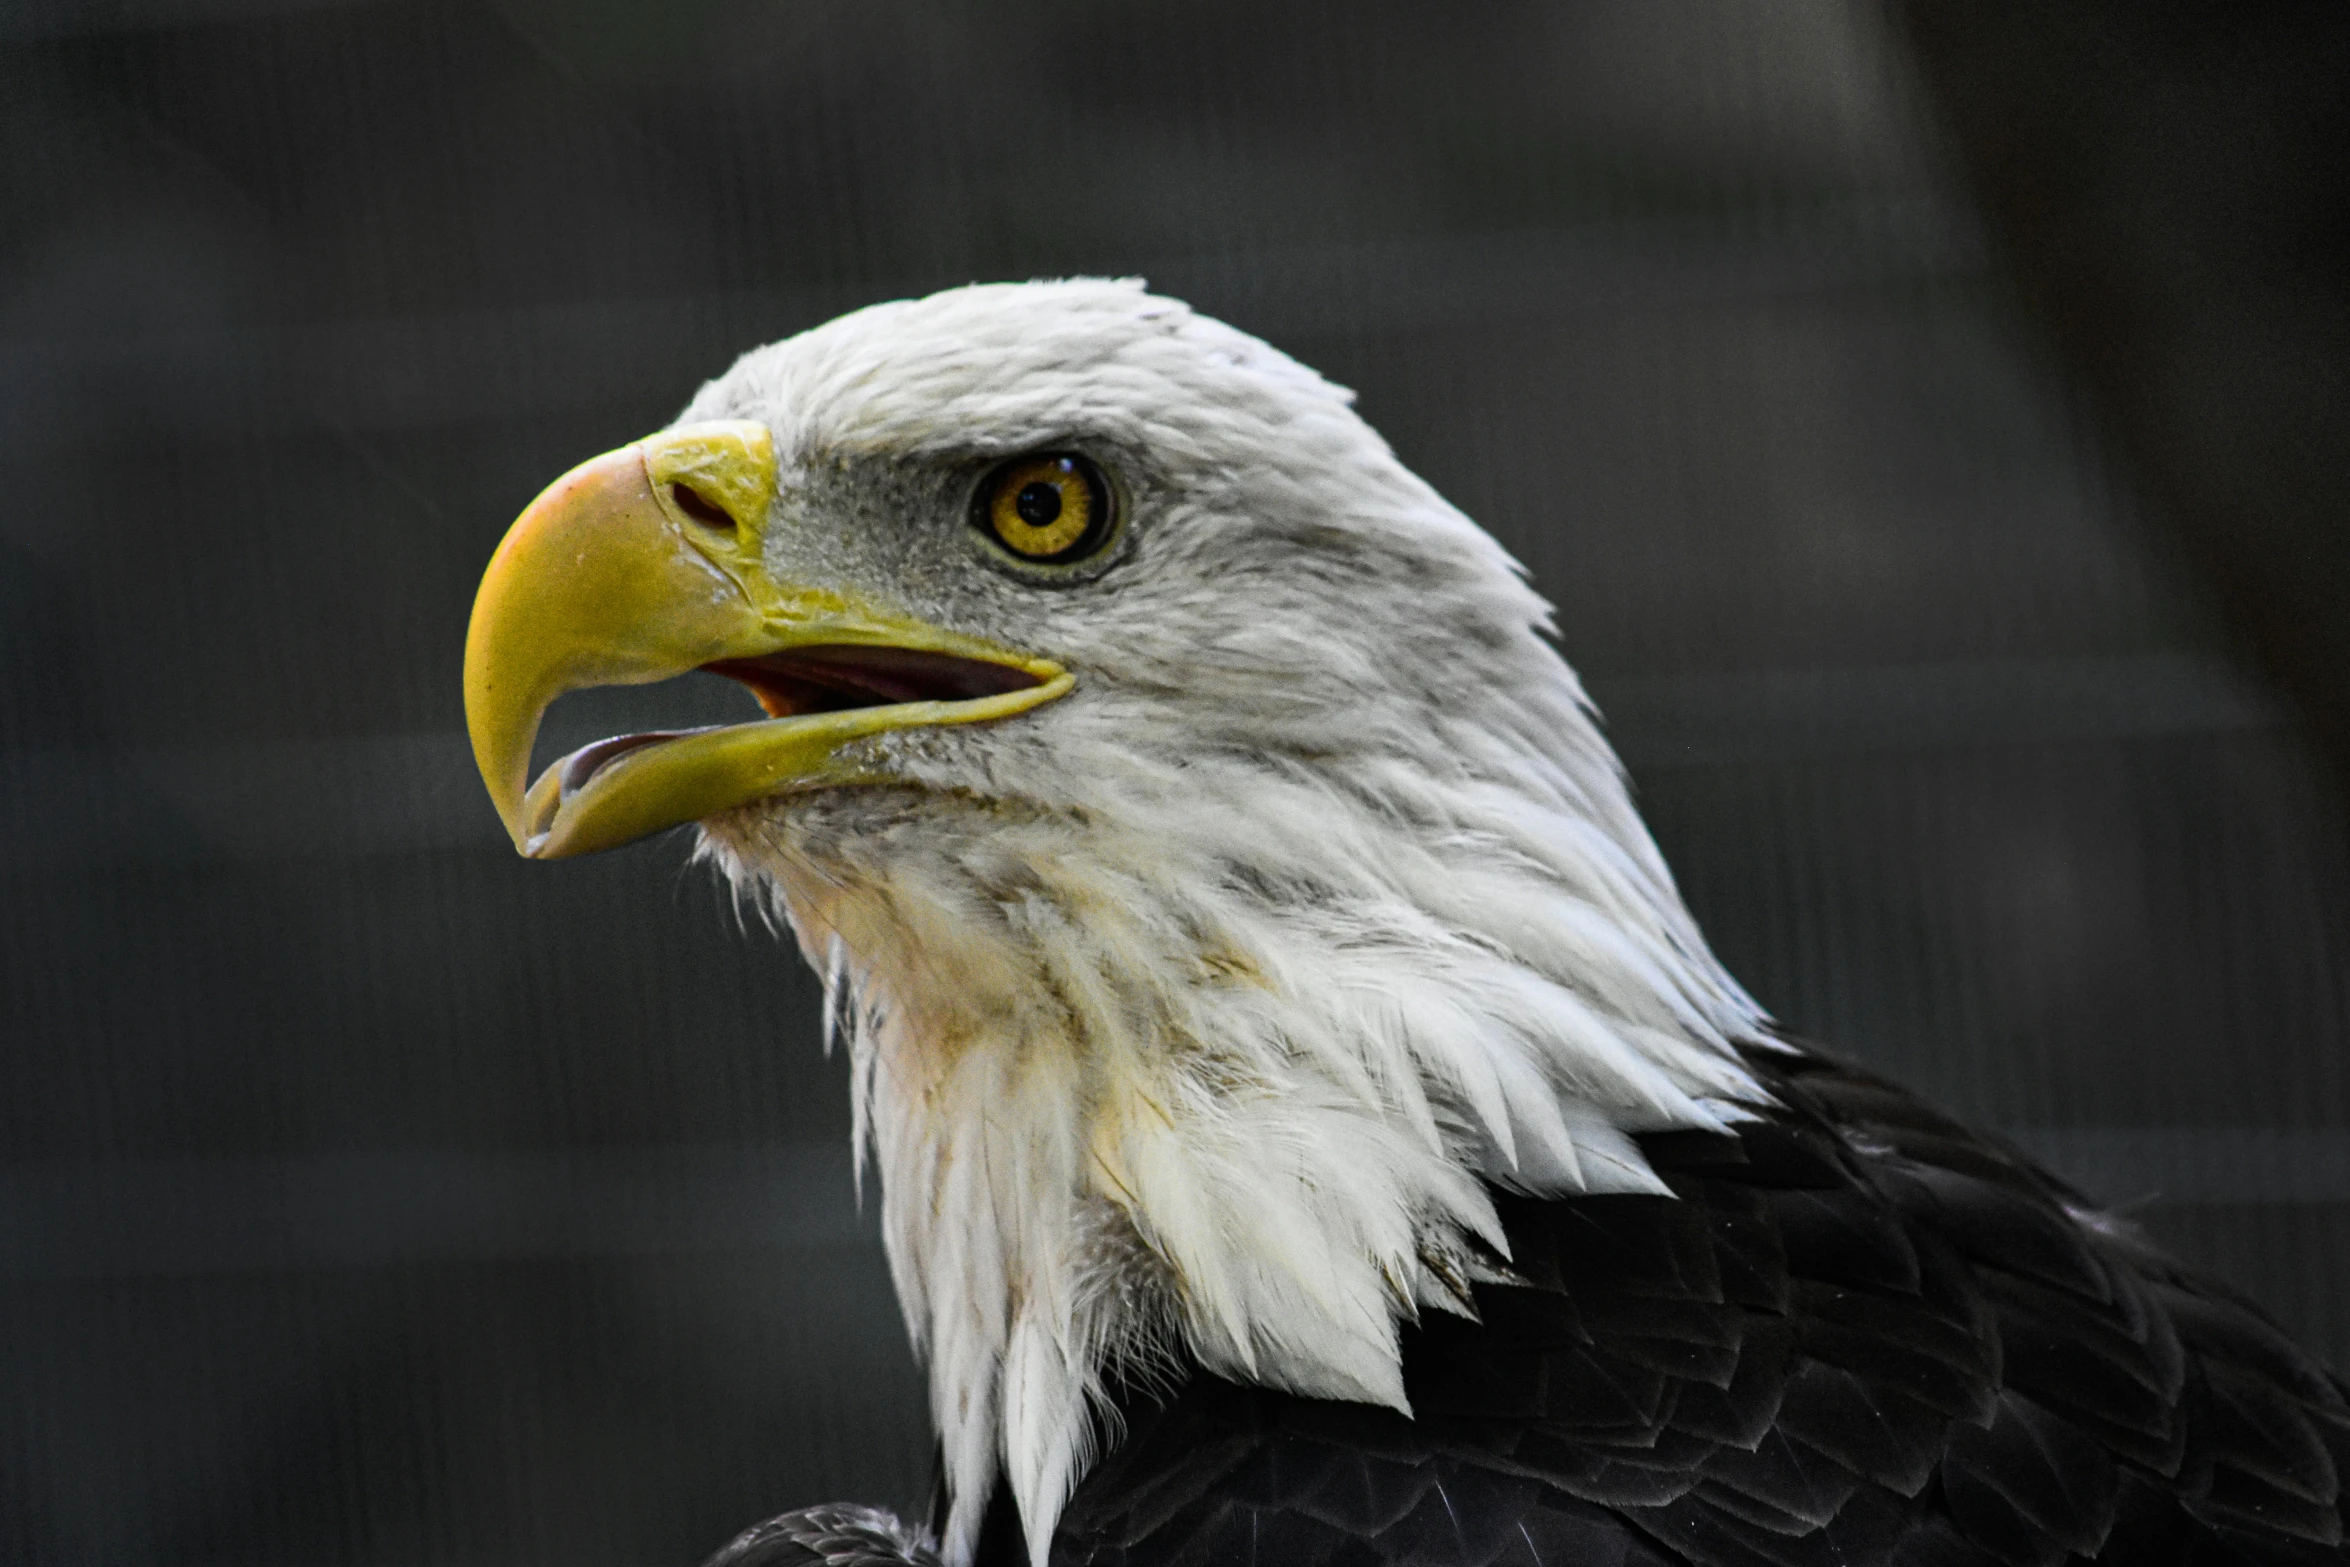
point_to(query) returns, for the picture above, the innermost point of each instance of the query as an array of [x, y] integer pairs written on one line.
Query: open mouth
[[609, 578], [797, 683], [832, 678]]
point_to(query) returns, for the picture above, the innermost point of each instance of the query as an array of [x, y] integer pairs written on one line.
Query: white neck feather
[[1221, 1065]]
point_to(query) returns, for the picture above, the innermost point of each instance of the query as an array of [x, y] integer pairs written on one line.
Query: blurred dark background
[[1965, 594]]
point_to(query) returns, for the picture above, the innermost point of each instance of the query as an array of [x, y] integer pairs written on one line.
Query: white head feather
[[1194, 1012]]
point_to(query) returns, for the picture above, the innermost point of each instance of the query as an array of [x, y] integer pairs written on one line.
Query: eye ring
[[1047, 509]]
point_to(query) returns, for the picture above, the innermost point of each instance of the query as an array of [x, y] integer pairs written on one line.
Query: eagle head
[[1220, 881]]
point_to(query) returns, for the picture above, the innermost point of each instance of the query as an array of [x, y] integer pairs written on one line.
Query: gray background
[[367, 1195]]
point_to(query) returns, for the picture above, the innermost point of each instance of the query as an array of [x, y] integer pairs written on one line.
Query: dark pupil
[[1038, 504]]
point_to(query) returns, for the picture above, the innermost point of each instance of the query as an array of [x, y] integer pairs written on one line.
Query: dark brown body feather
[[1859, 1333], [1862, 1334]]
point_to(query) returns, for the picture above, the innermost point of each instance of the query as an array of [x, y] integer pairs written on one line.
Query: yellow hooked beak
[[644, 564]]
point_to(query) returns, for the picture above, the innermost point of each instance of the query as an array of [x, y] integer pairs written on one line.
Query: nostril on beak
[[701, 508]]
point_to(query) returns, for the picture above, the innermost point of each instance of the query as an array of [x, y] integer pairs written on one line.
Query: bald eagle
[[1310, 1128]]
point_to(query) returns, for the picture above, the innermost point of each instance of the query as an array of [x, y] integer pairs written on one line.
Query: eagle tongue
[[584, 763]]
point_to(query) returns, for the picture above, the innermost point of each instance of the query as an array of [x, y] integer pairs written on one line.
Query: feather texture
[[1854, 1334], [1199, 1015], [1299, 1016], [835, 1536]]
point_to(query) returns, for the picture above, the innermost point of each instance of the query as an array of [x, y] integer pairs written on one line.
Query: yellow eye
[[1054, 508]]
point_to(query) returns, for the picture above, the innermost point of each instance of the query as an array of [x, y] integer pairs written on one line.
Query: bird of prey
[[1311, 1129]]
